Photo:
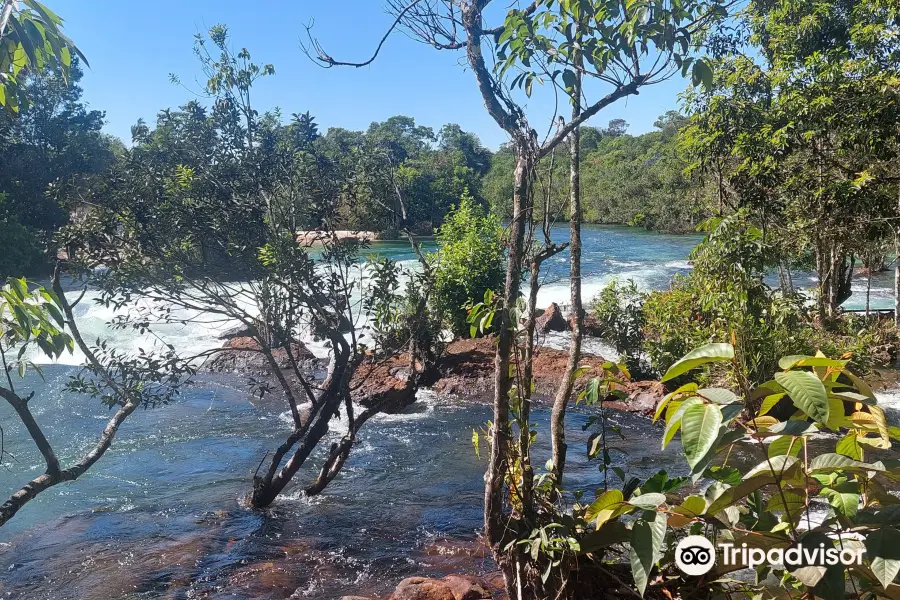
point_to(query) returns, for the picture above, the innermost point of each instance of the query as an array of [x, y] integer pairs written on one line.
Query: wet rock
[[452, 587], [552, 320], [238, 332], [643, 398], [466, 587], [376, 384], [241, 355], [592, 326], [422, 588]]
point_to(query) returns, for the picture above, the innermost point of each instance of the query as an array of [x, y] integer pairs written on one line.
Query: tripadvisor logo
[[696, 555]]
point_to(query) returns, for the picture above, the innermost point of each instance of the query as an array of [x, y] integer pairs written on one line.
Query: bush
[[724, 299], [469, 261], [20, 250], [619, 319]]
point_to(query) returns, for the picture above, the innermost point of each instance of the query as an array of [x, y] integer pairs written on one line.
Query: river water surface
[[161, 515]]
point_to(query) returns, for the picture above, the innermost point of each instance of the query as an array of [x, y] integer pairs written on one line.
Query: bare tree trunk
[[560, 402], [500, 434], [868, 287], [897, 268]]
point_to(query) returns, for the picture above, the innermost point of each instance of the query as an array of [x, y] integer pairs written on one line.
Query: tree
[[52, 146], [34, 318], [535, 44], [800, 128], [200, 221], [31, 41], [469, 261]]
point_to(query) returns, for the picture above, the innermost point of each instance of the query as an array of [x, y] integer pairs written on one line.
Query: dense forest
[[62, 163], [259, 344]]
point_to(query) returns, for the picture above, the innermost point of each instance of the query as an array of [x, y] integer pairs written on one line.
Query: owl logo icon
[[695, 555]]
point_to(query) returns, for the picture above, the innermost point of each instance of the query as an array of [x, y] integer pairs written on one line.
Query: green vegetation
[[469, 261], [787, 160], [723, 298]]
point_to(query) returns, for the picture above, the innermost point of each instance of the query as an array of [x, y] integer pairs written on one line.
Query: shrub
[[20, 250], [619, 319], [469, 261], [724, 299]]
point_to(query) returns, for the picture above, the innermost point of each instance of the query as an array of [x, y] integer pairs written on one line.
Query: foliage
[[773, 500], [30, 318], [619, 318], [403, 176], [800, 128], [725, 299], [629, 180], [469, 261], [31, 41], [21, 248], [38, 320], [766, 505], [52, 148], [199, 222]]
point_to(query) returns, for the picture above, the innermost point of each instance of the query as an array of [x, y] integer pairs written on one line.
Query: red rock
[[466, 587], [552, 320], [422, 588]]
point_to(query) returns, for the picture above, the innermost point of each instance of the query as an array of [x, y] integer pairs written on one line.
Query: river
[[161, 516]]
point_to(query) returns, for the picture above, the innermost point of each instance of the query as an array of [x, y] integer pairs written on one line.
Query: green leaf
[[688, 387], [604, 507], [700, 356], [883, 550], [777, 466], [699, 430], [861, 386], [702, 74], [807, 393], [832, 462], [719, 395], [647, 537], [788, 362], [783, 445], [844, 498], [849, 447], [673, 423], [769, 403], [648, 501], [738, 492]]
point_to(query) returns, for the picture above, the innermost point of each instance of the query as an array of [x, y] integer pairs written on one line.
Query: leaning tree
[[199, 223]]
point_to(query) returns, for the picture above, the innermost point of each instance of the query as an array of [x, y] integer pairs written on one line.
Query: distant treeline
[[631, 180], [57, 162]]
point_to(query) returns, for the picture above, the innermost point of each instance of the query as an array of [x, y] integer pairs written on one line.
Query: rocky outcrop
[[551, 320], [452, 587], [242, 355]]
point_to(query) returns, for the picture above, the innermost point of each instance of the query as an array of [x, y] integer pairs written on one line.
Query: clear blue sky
[[133, 45]]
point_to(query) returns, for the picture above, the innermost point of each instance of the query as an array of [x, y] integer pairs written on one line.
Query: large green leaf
[[699, 430], [883, 550], [700, 356], [648, 501], [604, 507], [832, 462], [777, 466], [785, 444], [673, 423], [736, 493], [769, 403], [807, 392], [844, 498], [719, 395], [647, 537]]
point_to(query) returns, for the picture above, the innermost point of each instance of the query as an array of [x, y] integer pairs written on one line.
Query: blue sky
[[133, 45]]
